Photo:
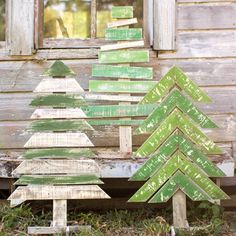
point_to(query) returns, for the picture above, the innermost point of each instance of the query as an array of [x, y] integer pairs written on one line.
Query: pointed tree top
[[58, 69]]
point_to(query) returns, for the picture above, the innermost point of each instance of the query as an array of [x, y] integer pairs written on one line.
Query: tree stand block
[[179, 210]]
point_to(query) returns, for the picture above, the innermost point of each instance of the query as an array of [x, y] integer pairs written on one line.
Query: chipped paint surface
[[123, 34], [120, 12]]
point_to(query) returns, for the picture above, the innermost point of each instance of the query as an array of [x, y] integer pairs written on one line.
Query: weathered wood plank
[[59, 213], [50, 85], [120, 56], [122, 22], [57, 153], [105, 86], [130, 72], [58, 140], [59, 125], [57, 180], [203, 16], [20, 34], [122, 122], [123, 34], [165, 25], [123, 45], [200, 44], [120, 12], [57, 192], [70, 167]]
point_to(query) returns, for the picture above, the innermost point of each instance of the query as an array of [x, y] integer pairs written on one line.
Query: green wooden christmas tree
[[177, 148]]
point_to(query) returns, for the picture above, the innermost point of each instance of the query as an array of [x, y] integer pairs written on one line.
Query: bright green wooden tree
[[177, 148]]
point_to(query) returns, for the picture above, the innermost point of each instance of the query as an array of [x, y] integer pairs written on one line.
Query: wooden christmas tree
[[177, 148], [52, 168]]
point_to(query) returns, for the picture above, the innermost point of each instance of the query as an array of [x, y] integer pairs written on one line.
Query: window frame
[[93, 42]]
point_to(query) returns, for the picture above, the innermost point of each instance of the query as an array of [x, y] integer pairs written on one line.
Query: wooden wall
[[206, 51]]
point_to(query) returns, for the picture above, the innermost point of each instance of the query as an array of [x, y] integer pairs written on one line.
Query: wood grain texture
[[43, 140], [120, 12], [20, 34], [50, 85], [59, 213], [57, 192], [123, 34], [164, 25], [122, 22], [124, 45], [70, 167]]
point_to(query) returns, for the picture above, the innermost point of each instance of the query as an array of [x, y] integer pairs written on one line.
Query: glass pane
[[67, 19], [2, 20], [104, 13]]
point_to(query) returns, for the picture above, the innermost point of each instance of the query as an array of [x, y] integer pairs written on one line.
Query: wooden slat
[[58, 140], [59, 213], [57, 192], [210, 44], [105, 86], [124, 45], [70, 167], [50, 85], [120, 12], [57, 180], [20, 34], [123, 34], [122, 72], [120, 56], [164, 25], [122, 22]]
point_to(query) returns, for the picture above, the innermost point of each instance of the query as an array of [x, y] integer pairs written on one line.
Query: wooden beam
[[20, 27], [59, 213], [164, 25]]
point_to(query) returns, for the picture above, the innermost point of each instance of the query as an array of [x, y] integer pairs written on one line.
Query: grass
[[142, 222]]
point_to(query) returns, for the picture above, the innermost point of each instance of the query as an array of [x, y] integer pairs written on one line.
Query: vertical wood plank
[[179, 210], [165, 24], [148, 22], [59, 213], [93, 18], [234, 153], [38, 23], [20, 27]]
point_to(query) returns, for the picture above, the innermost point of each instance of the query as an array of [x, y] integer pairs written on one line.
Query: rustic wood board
[[25, 193], [177, 120], [58, 140], [58, 153], [57, 180], [120, 12], [49, 85], [59, 100], [175, 76], [124, 22], [123, 34], [59, 125], [120, 56], [70, 167], [173, 143], [124, 45], [173, 100], [178, 162], [105, 86], [130, 72], [116, 122]]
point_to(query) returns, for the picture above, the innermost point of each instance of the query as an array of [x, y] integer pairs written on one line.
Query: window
[[2, 20], [79, 23]]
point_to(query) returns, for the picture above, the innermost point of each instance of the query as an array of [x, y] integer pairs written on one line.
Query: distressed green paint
[[59, 125], [121, 12], [179, 181], [173, 100], [173, 143], [104, 86], [58, 69], [57, 180], [118, 110], [115, 122], [129, 72], [178, 162], [123, 56], [58, 153], [123, 34], [174, 77], [177, 120], [58, 100]]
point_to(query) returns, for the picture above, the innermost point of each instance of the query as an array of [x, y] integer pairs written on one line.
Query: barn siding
[[206, 51]]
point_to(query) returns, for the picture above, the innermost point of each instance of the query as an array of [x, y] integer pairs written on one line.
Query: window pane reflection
[[2, 20]]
